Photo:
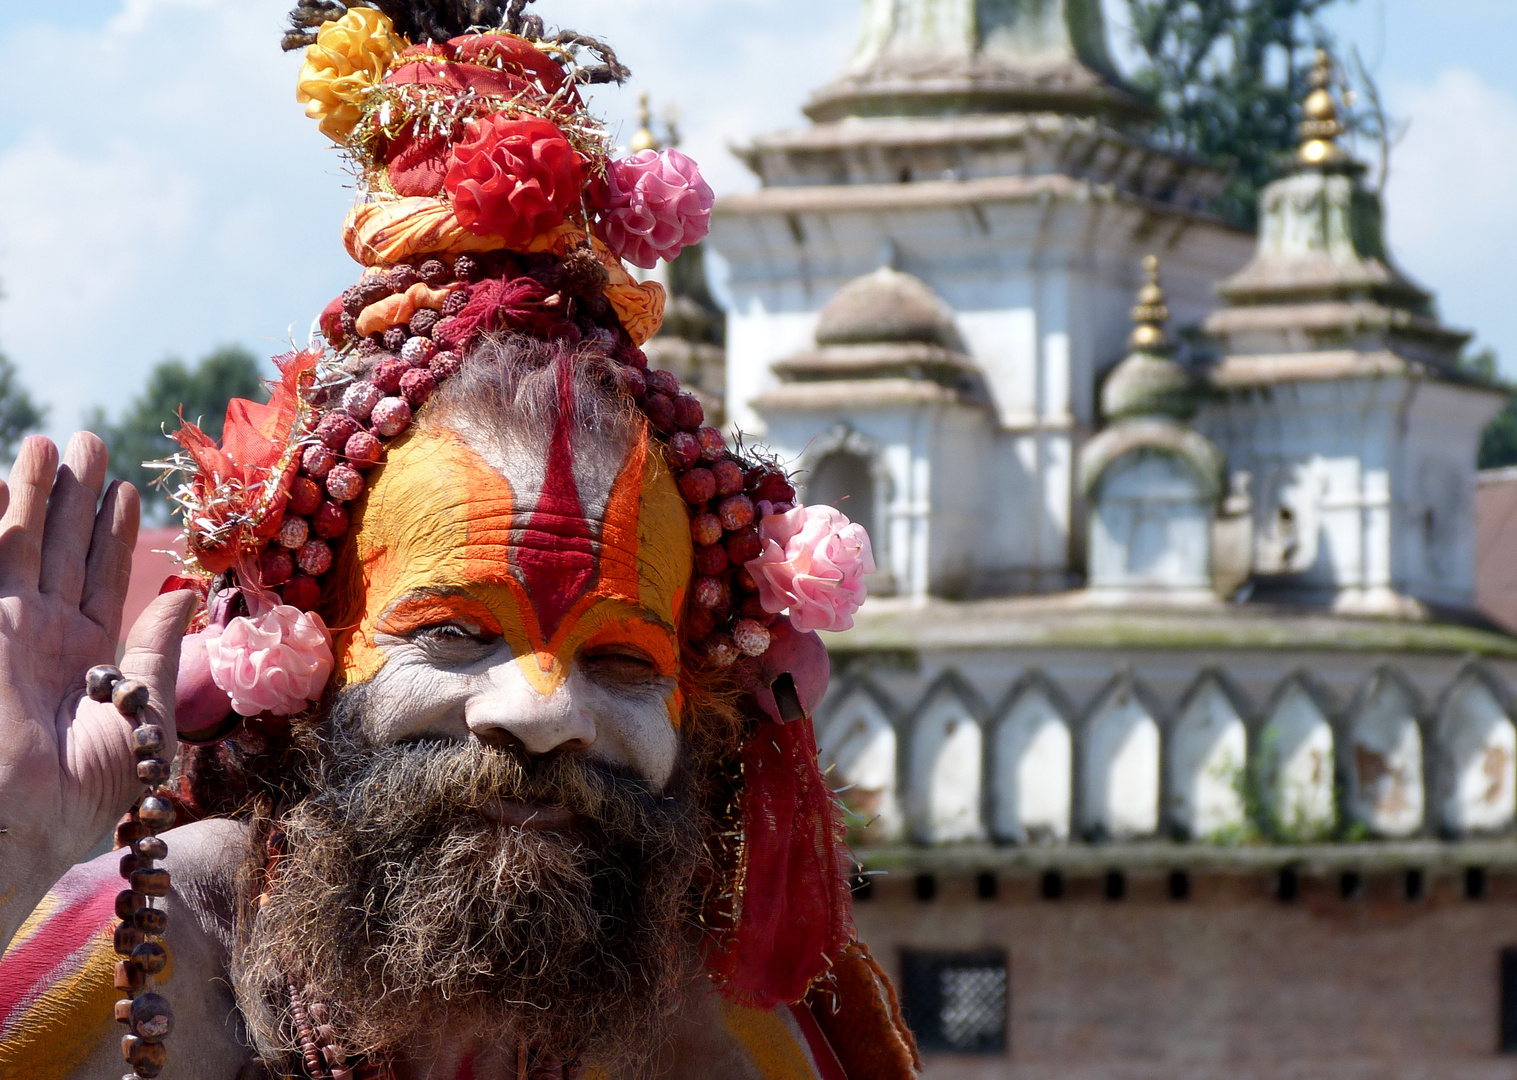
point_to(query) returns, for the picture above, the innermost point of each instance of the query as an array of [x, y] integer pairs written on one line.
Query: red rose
[[513, 178]]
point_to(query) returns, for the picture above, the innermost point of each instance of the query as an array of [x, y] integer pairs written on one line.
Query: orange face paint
[[585, 554]]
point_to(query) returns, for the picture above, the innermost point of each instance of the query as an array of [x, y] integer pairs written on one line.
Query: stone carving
[[1208, 751], [1384, 760], [1119, 768], [943, 774], [1032, 763], [858, 746], [1475, 779]]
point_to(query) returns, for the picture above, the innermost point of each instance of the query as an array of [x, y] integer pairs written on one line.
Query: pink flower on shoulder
[[656, 204], [812, 563], [275, 663]]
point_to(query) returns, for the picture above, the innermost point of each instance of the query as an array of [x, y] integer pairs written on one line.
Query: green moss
[[975, 626]]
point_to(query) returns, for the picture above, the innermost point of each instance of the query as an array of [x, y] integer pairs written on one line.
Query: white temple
[[1124, 586]]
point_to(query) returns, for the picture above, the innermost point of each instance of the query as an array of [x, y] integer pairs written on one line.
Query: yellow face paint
[[555, 564]]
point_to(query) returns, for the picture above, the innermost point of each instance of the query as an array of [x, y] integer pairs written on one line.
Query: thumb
[[152, 654]]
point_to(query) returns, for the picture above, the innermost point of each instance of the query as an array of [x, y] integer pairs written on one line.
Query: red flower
[[513, 178]]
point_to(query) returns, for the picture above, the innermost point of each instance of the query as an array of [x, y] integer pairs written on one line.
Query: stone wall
[[1016, 746]]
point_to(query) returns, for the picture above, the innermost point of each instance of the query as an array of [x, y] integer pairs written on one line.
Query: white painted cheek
[[409, 698], [634, 726]]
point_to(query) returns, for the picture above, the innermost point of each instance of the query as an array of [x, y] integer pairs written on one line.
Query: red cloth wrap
[[253, 440], [501, 306], [794, 909], [417, 164]]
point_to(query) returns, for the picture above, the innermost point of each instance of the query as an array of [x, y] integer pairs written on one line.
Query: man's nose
[[508, 709]]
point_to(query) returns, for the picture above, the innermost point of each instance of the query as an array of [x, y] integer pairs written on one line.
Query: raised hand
[[66, 765]]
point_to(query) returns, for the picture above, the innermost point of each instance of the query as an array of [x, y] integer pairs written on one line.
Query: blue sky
[[161, 193]]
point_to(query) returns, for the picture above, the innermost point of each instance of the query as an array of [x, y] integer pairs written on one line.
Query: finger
[[71, 517], [108, 570], [5, 497], [152, 655], [21, 527]]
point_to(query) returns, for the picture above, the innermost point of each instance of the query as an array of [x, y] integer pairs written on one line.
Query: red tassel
[[794, 912]]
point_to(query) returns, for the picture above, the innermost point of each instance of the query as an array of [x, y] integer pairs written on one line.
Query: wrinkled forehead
[[551, 531]]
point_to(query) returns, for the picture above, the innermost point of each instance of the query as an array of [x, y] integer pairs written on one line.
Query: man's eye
[[623, 661], [449, 632]]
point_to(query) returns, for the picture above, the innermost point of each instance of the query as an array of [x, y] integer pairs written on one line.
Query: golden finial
[[1149, 314], [644, 139], [1320, 126]]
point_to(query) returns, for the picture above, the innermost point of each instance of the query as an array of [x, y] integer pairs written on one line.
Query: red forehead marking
[[555, 557]]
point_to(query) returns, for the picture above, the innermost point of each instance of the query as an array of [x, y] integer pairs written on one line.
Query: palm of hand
[[66, 765]]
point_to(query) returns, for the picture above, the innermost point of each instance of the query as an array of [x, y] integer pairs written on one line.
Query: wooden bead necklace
[[139, 936]]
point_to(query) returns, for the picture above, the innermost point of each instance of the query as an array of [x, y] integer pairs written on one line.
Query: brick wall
[[1231, 982]]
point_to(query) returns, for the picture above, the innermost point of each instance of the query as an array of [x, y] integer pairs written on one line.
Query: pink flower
[[656, 204], [813, 563], [272, 663]]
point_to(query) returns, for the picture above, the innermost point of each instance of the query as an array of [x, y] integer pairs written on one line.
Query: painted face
[[528, 591]]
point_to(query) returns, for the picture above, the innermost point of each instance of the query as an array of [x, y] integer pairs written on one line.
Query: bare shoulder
[[57, 989], [711, 1036]]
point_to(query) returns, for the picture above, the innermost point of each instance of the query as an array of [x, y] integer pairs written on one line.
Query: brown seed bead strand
[[310, 1051], [725, 495], [147, 1015]]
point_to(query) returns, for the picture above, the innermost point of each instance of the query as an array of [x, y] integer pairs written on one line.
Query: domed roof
[[1145, 384], [1148, 382], [886, 306]]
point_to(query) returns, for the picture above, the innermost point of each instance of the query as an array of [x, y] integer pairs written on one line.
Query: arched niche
[[943, 793], [1295, 771], [845, 479], [1033, 770], [1119, 775], [1383, 760], [858, 746], [1208, 758], [1150, 524], [1476, 782], [846, 469]]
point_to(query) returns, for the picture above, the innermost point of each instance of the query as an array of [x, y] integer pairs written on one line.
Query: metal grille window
[[956, 1001]]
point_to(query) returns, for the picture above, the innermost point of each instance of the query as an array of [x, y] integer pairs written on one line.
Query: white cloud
[[1450, 213], [168, 195], [165, 197]]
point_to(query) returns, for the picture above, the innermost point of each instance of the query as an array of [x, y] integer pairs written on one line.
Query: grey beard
[[406, 912]]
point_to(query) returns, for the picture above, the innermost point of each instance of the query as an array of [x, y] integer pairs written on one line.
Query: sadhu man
[[474, 739]]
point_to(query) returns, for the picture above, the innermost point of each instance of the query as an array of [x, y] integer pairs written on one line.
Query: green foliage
[[19, 414], [1228, 77], [1265, 819], [141, 433], [1498, 443]]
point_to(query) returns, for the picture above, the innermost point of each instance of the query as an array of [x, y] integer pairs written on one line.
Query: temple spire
[[951, 57], [1150, 313], [1320, 126], [644, 139]]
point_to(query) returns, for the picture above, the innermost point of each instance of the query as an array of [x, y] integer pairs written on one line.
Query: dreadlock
[[440, 20]]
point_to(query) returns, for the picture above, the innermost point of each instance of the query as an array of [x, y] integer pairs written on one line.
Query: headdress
[[491, 204]]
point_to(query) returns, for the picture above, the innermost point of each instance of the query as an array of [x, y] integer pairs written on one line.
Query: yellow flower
[[349, 59]]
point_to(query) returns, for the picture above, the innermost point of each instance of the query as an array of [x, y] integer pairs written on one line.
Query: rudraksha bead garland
[[139, 936], [402, 365]]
